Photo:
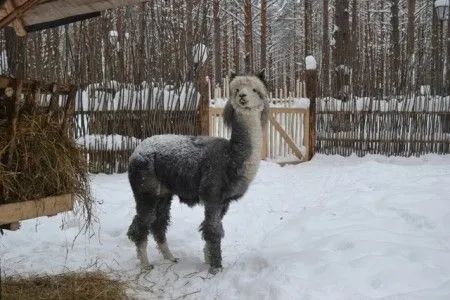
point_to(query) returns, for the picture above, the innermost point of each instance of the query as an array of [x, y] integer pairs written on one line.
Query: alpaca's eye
[[254, 90], [237, 90]]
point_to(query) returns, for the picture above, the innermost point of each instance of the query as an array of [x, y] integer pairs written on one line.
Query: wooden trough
[[12, 213]]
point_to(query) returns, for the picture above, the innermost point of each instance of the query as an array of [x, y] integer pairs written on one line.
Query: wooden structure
[[286, 137], [404, 127], [12, 213], [32, 15], [55, 102], [27, 16]]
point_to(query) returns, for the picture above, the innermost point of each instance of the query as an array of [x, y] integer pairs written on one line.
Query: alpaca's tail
[[139, 170]]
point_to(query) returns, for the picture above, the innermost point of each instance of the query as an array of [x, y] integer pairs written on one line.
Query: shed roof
[[31, 15]]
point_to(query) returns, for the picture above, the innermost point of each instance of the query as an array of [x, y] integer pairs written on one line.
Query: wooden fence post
[[203, 90], [311, 93]]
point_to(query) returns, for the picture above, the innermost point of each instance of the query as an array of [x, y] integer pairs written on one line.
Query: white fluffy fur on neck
[[253, 123]]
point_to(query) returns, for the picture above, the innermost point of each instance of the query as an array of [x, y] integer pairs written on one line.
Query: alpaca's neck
[[246, 142]]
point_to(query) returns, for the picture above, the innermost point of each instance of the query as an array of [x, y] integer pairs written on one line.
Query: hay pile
[[91, 285], [45, 161]]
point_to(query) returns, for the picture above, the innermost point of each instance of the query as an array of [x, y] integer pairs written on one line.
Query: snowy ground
[[333, 228]]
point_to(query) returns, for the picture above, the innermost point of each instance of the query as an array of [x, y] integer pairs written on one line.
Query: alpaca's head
[[248, 95]]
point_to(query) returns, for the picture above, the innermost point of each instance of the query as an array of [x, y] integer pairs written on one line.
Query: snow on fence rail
[[407, 127]]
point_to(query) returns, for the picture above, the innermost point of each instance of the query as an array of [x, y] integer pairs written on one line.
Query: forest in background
[[374, 48]]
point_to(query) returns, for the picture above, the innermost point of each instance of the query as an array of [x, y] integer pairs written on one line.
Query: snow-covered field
[[333, 228]]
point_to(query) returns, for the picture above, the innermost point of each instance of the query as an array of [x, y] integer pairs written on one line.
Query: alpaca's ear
[[232, 74], [262, 75], [228, 114], [265, 114]]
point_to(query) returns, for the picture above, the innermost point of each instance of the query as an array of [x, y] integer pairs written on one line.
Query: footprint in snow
[[415, 220], [344, 245]]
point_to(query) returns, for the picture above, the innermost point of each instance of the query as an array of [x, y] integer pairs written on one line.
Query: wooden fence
[[407, 127], [111, 119]]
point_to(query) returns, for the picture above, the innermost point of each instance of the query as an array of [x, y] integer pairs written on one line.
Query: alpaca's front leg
[[212, 231]]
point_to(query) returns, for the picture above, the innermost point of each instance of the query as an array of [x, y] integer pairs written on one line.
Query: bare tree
[[395, 47], [263, 57], [341, 50], [248, 35], [308, 27], [217, 38], [325, 50]]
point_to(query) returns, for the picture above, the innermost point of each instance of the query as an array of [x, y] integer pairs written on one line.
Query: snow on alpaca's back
[[173, 145]]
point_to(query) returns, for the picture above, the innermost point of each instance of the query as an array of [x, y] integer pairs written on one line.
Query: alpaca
[[203, 170]]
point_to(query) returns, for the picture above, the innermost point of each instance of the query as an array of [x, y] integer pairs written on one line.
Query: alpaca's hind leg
[[159, 227], [140, 227]]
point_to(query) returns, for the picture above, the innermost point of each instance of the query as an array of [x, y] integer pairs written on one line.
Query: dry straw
[[45, 161], [88, 285]]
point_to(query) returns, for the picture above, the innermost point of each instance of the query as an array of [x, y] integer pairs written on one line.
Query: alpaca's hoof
[[215, 270], [174, 259], [147, 267]]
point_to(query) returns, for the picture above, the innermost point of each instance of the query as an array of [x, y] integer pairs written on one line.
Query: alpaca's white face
[[248, 94]]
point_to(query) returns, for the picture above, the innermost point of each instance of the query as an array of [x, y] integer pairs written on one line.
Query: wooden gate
[[286, 135]]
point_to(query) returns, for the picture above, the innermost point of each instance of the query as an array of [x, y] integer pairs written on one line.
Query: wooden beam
[[18, 211], [17, 23], [286, 137], [203, 108], [61, 22], [311, 93], [16, 12]]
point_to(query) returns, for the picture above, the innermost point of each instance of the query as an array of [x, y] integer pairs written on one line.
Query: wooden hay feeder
[[32, 116]]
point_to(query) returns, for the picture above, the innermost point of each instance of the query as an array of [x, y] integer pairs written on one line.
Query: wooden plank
[[306, 132], [14, 212], [380, 112], [17, 12], [289, 110], [286, 137], [264, 152], [384, 140]]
